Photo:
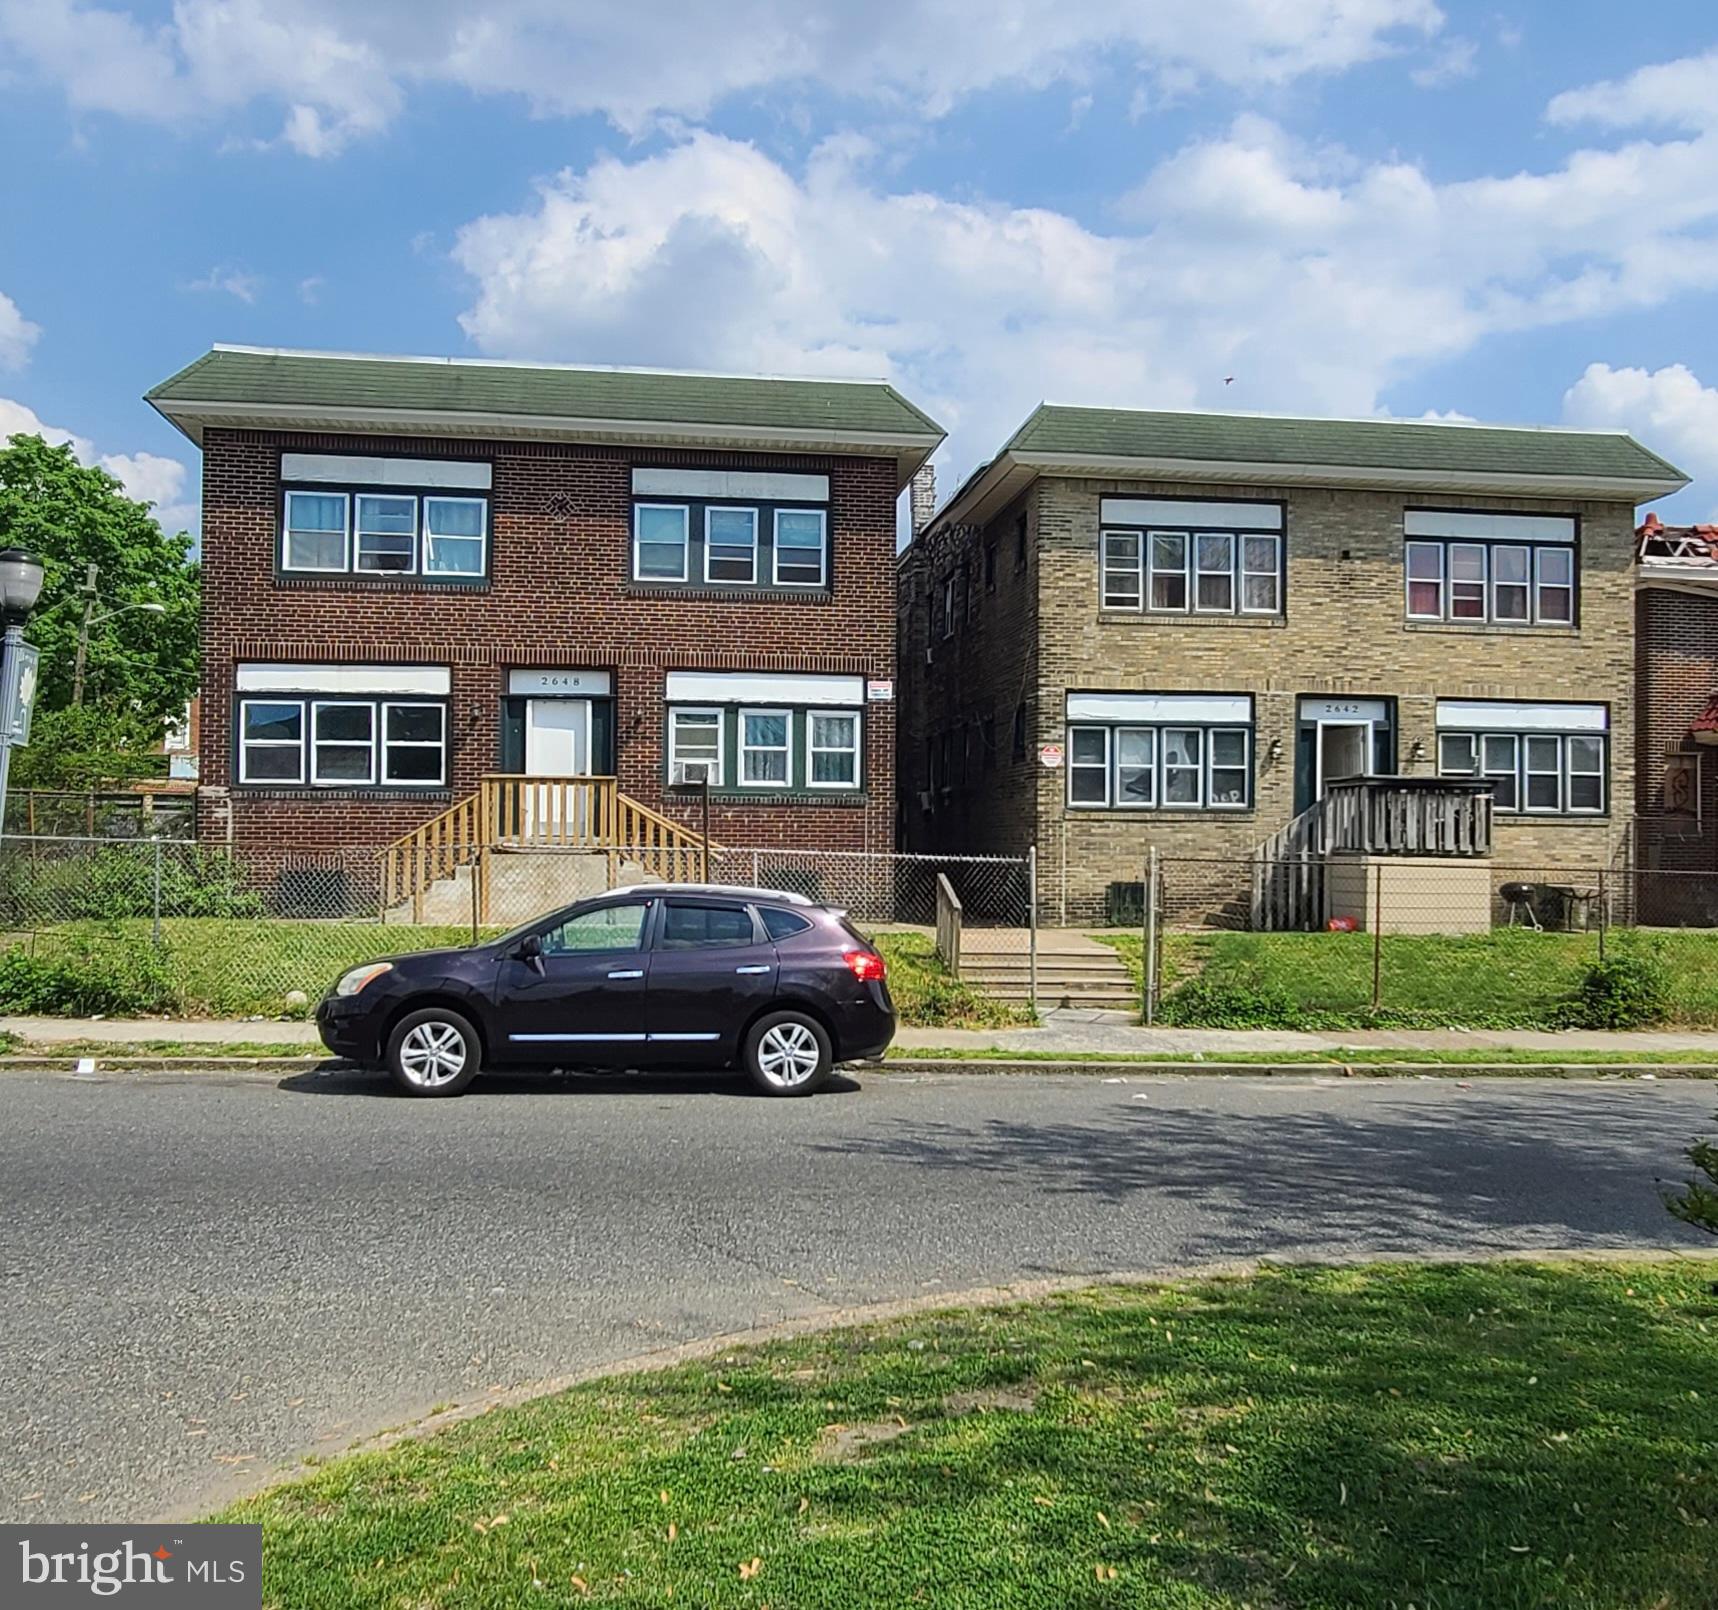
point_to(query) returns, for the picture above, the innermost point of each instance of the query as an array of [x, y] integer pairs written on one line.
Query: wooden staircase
[[525, 844]]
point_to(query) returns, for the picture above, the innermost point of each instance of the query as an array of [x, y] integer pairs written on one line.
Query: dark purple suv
[[657, 976]]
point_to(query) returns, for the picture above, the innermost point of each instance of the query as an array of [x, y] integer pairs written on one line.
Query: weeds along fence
[[1415, 942], [95, 924]]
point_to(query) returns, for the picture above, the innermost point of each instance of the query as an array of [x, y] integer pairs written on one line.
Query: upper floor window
[[1489, 569], [1174, 556], [725, 529], [1160, 751], [352, 514]]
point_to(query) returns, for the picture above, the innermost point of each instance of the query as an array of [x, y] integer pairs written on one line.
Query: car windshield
[[538, 925]]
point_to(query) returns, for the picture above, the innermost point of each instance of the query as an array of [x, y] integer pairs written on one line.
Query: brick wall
[[1343, 634], [558, 596], [1676, 655]]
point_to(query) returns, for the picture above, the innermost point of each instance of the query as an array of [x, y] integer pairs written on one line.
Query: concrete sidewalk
[[1071, 1033]]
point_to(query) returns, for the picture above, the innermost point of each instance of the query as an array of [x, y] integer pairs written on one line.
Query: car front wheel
[[433, 1052], [788, 1054]]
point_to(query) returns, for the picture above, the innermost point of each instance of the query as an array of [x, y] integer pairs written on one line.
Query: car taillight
[[865, 965]]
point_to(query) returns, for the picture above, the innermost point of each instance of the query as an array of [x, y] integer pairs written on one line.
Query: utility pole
[[83, 634]]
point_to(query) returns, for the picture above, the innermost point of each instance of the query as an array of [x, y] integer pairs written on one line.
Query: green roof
[[304, 382], [1402, 445]]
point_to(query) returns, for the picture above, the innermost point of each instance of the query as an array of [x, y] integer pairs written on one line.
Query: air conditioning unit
[[689, 771]]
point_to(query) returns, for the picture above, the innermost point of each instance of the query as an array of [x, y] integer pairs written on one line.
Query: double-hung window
[[1496, 569], [731, 545], [358, 515], [342, 726], [751, 733], [1159, 751], [832, 749], [801, 537], [660, 539], [1189, 556], [695, 747], [1541, 759], [766, 748]]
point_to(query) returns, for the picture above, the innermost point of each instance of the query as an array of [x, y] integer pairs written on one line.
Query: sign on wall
[[1682, 786], [880, 690], [1050, 756], [577, 683]]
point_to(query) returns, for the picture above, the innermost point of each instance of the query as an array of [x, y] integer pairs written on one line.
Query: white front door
[[1344, 750], [557, 744]]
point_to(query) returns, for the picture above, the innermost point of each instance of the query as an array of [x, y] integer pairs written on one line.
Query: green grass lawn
[[1488, 1437], [1508, 978], [245, 967]]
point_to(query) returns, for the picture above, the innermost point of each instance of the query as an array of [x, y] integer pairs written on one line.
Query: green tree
[[72, 515], [1697, 1202], [78, 747]]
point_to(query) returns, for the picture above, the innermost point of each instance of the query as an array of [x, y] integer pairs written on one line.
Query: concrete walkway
[[1074, 1033]]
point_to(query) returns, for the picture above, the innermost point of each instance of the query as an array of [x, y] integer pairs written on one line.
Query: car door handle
[[628, 972], [763, 969]]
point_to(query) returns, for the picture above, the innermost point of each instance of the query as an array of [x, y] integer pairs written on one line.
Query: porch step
[[522, 884]]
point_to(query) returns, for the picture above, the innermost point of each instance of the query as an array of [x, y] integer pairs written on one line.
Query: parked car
[[659, 975]]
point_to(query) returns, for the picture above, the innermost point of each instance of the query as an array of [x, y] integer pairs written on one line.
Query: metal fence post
[[1377, 934], [757, 877], [1604, 913], [476, 867], [155, 924], [1151, 938], [1032, 924]]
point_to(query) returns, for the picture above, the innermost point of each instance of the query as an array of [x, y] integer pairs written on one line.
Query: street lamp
[[92, 619], [20, 587]]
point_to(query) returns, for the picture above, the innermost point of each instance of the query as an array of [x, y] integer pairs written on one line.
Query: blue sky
[[1332, 206]]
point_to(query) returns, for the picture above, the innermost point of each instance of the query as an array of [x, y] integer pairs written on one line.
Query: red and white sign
[[1050, 756]]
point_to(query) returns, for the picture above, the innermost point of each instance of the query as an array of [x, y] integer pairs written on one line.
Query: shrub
[[1208, 1002], [1624, 991], [108, 976], [1697, 1202]]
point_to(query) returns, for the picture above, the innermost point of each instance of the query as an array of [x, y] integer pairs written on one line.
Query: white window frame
[[1541, 586], [1243, 574], [1451, 582], [1186, 573], [247, 744], [1520, 741], [813, 749], [1197, 768], [1103, 767], [1211, 802], [675, 759], [742, 748], [1135, 570], [415, 537], [482, 538], [1528, 773], [1439, 549], [345, 565], [1114, 786], [750, 579], [1496, 616], [384, 743], [822, 548], [684, 510], [317, 706], [1199, 573], [1484, 768], [1473, 741], [1570, 774]]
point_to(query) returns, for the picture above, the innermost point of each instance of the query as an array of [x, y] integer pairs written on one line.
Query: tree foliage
[[80, 747], [70, 514], [1697, 1202]]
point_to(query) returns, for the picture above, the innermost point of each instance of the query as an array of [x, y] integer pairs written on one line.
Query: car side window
[[782, 924], [606, 928], [689, 925]]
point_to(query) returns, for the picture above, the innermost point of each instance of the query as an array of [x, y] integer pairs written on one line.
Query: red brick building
[[420, 573]]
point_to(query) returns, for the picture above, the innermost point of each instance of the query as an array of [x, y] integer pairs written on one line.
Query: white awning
[[1495, 527], [765, 486], [1505, 715], [1191, 513], [1192, 709], [435, 680], [352, 469], [763, 687]]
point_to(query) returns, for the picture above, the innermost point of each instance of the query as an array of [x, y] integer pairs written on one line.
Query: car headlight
[[350, 983]]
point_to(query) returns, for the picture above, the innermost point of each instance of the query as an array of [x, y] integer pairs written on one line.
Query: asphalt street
[[202, 1278]]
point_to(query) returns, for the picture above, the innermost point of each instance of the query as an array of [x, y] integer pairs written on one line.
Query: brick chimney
[[924, 497]]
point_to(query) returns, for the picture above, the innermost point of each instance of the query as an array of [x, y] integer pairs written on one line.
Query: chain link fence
[[1349, 941], [120, 927]]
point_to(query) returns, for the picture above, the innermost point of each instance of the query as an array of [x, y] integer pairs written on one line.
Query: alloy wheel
[[788, 1054], [432, 1054]]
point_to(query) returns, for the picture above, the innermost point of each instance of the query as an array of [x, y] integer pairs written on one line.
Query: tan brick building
[[1132, 629]]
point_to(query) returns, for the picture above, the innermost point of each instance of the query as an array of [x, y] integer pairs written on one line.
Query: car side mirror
[[530, 950]]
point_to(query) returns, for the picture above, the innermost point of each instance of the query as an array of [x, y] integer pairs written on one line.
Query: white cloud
[[1677, 94], [148, 476], [1668, 409], [1313, 278], [336, 70], [234, 282], [17, 334], [1455, 59]]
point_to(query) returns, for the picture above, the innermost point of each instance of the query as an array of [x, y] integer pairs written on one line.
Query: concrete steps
[[1091, 977], [522, 884]]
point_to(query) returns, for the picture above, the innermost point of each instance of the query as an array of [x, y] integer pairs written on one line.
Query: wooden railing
[[510, 812], [1409, 816], [948, 924]]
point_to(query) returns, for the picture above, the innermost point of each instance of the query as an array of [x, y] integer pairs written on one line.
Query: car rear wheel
[[788, 1054], [433, 1052]]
